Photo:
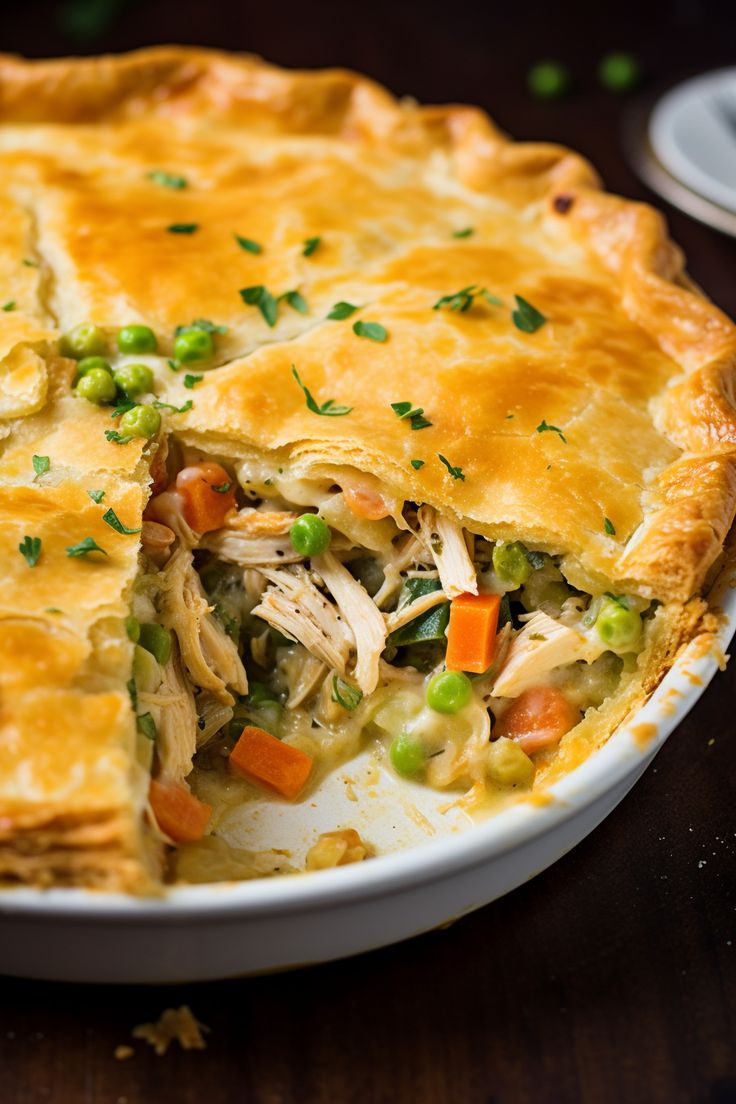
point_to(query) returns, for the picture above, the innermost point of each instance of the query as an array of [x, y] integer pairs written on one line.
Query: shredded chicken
[[446, 541], [408, 552], [173, 710], [310, 673], [156, 541], [294, 606], [167, 509], [362, 615], [407, 613], [541, 645], [209, 654], [254, 537], [253, 583], [213, 715]]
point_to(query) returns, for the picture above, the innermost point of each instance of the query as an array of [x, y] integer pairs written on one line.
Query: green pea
[[310, 535], [548, 80], [407, 754], [137, 339], [618, 626], [619, 72], [141, 421], [508, 765], [193, 345], [133, 628], [449, 691], [134, 379], [510, 563], [86, 364], [156, 640], [85, 340], [97, 386]]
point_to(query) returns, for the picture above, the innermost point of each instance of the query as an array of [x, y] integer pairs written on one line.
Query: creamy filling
[[318, 614]]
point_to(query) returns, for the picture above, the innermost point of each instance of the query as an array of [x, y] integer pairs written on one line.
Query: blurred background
[[439, 50]]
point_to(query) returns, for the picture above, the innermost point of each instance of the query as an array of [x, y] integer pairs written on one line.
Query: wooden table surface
[[611, 977]]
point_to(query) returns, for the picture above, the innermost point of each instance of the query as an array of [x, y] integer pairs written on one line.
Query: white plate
[[214, 931], [693, 134]]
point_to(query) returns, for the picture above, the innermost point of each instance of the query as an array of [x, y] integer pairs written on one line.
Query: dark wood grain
[[611, 977]]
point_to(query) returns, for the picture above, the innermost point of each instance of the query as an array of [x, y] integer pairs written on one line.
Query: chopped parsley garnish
[[329, 409], [122, 408], [374, 331], [10, 305], [112, 519], [415, 415], [30, 263], [84, 547], [41, 464], [177, 409], [201, 324], [146, 725], [609, 527], [342, 310], [52, 609], [268, 304], [310, 244], [191, 381], [261, 297], [464, 299], [544, 428], [167, 180], [118, 438], [466, 233], [349, 697], [526, 317], [96, 496], [183, 228], [221, 488], [174, 365], [30, 548], [417, 464], [248, 244], [537, 636], [296, 301], [456, 473]]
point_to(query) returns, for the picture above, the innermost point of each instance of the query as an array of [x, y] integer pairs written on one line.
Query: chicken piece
[[362, 615], [209, 654], [156, 541], [167, 509], [173, 710], [407, 613], [254, 537], [446, 541], [542, 645], [304, 676], [294, 606], [409, 552], [213, 715]]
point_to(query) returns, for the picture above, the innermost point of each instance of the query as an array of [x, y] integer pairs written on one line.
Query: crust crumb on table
[[123, 1051], [173, 1024]]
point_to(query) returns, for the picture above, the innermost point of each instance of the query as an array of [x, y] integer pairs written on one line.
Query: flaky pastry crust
[[617, 414]]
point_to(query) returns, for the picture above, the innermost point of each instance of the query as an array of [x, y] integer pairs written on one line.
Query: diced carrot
[[178, 812], [208, 495], [365, 502], [262, 758], [471, 636], [538, 718]]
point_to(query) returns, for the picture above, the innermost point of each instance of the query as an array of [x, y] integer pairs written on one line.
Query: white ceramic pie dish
[[228, 929]]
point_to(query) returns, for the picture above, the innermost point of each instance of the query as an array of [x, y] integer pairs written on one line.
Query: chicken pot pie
[[325, 419]]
